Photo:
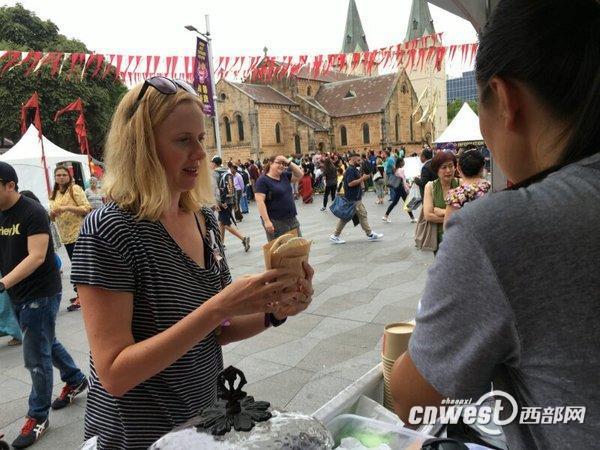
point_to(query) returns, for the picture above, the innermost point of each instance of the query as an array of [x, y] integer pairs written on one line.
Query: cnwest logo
[[10, 231]]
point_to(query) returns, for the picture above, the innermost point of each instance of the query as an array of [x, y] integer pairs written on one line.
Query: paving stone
[[280, 389], [327, 354], [316, 393]]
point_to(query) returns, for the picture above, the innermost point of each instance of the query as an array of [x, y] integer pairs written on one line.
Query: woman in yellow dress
[[68, 207]]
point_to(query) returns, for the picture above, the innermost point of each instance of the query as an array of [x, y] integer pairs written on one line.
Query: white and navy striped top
[[117, 253]]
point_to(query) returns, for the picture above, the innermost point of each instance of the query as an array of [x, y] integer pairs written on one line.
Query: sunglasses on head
[[164, 85]]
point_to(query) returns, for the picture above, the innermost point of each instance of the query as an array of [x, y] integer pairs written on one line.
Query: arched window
[[308, 91], [223, 96], [227, 129], [343, 136], [412, 137], [278, 133], [240, 127], [397, 127], [365, 130], [297, 144], [404, 88]]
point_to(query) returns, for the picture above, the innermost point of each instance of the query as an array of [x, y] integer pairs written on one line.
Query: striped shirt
[[117, 253]]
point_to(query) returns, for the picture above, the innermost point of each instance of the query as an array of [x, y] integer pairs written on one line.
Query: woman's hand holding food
[[252, 294], [298, 300]]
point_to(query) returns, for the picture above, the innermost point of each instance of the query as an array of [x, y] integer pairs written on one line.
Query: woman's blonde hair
[[135, 178]]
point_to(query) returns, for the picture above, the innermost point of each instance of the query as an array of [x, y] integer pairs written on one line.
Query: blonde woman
[[156, 293], [68, 207]]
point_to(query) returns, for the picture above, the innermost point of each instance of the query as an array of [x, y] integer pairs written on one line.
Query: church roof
[[354, 97], [261, 93], [312, 102], [354, 35], [333, 75], [307, 120], [420, 22]]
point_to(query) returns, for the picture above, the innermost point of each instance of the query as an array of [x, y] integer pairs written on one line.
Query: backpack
[[226, 188], [245, 177]]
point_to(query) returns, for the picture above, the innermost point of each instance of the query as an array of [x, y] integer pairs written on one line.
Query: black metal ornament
[[233, 408]]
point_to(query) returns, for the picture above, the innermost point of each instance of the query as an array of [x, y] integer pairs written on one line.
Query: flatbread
[[287, 251]]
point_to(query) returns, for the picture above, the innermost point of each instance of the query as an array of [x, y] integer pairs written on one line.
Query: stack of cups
[[395, 342]]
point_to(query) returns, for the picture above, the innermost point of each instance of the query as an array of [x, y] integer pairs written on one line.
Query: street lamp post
[[212, 80]]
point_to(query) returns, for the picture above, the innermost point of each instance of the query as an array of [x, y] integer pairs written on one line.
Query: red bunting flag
[[31, 106], [80, 126]]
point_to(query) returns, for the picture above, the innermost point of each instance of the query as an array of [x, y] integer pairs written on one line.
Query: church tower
[[429, 83], [355, 39]]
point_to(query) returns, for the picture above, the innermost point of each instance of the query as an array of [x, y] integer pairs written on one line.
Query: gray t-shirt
[[514, 297]]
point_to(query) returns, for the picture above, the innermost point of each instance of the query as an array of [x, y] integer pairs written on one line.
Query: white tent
[[26, 157], [463, 128], [475, 11]]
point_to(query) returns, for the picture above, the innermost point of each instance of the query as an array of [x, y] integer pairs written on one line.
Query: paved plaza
[[359, 287]]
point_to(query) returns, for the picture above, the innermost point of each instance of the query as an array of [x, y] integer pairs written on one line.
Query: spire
[[419, 21], [354, 35]]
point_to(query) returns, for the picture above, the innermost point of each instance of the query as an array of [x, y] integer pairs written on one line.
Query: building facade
[[463, 88], [334, 111], [428, 82]]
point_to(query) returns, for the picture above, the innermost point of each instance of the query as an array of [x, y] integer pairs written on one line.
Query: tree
[[21, 29], [455, 106]]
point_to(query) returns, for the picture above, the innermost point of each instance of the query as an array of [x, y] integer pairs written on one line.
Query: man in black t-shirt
[[353, 182], [32, 280]]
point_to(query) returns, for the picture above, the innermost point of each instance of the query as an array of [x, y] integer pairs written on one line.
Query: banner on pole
[[202, 77]]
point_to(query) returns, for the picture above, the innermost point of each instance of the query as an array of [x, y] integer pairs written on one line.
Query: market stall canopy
[[463, 128], [26, 157], [475, 11]]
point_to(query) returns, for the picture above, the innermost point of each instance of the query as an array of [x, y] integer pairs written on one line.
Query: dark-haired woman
[[443, 165], [68, 206], [400, 191], [330, 176], [472, 184], [512, 297]]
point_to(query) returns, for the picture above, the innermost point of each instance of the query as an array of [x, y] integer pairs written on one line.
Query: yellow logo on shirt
[[10, 231]]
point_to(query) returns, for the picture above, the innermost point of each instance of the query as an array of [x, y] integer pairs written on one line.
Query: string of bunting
[[131, 69]]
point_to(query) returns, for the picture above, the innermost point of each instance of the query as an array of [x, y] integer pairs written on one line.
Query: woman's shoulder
[[107, 220]]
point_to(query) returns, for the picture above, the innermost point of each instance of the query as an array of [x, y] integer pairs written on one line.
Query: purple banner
[[202, 74]]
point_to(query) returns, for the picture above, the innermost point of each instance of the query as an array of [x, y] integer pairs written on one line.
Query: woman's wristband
[[270, 319]]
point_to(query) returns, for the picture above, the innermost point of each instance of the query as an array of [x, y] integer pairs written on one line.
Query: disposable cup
[[395, 339]]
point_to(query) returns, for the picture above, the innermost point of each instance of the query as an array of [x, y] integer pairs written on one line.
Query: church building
[[336, 111]]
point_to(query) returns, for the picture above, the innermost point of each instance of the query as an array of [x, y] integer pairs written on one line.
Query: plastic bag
[[413, 199]]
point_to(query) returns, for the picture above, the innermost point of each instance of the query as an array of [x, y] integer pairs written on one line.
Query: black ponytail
[[553, 46]]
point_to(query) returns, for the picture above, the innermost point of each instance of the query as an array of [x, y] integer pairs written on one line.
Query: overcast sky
[[238, 27]]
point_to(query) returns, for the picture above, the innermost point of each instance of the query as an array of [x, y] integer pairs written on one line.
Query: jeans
[[41, 351], [399, 193], [329, 190]]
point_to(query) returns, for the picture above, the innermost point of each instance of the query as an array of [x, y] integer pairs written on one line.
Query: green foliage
[[455, 106], [21, 29]]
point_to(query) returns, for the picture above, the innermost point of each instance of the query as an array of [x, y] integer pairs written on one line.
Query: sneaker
[[74, 307], [375, 237], [386, 219], [31, 432], [413, 220], [323, 209], [336, 239], [73, 300], [68, 394], [246, 243], [14, 342]]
